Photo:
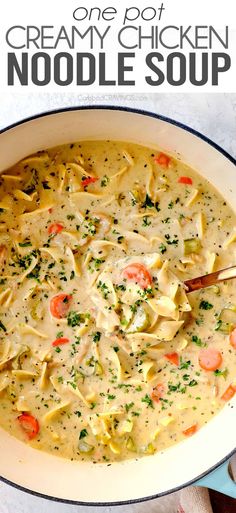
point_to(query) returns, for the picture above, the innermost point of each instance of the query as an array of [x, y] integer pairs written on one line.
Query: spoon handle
[[210, 279]]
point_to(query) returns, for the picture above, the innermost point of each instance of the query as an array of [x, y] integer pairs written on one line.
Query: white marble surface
[[212, 114]]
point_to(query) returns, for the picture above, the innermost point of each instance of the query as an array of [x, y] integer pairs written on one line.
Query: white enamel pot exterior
[[187, 461]]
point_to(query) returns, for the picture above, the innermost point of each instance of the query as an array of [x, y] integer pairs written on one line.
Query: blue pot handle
[[219, 480]]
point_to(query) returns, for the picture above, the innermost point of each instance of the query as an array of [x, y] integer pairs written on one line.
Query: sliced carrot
[[157, 392], [210, 359], [60, 341], [139, 274], [186, 180], [59, 305], [88, 180], [190, 431], [229, 393], [232, 338], [29, 424], [172, 357], [162, 159], [55, 228]]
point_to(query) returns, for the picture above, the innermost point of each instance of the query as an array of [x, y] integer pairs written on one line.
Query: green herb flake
[[74, 319], [162, 248], [2, 327], [147, 399], [223, 373], [104, 181], [171, 242], [104, 289], [128, 406], [146, 221], [192, 383], [96, 336], [218, 325], [83, 434], [148, 202], [25, 244], [205, 305], [184, 365], [59, 334], [196, 340]]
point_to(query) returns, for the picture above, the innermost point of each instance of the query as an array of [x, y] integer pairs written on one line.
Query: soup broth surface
[[103, 355]]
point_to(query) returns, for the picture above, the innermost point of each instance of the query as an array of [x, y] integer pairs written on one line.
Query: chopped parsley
[[26, 260], [120, 287], [162, 248], [128, 406], [173, 242], [176, 388], [196, 340], [2, 327], [223, 373], [74, 319], [205, 305], [83, 433], [94, 264], [124, 385], [218, 325], [25, 244], [184, 365], [104, 289], [192, 383], [104, 181], [148, 202], [199, 321], [35, 273], [147, 399], [96, 336], [146, 221], [45, 185], [72, 384]]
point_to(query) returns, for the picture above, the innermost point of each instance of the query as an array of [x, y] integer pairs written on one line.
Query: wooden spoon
[[210, 279]]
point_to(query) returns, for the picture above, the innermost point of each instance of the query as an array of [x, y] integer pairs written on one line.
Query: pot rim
[[133, 110], [227, 155]]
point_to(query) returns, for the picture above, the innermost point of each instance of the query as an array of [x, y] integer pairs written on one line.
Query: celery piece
[[192, 246]]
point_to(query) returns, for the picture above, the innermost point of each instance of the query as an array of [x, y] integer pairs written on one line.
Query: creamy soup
[[103, 355]]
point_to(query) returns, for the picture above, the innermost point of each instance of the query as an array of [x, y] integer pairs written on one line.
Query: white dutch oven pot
[[188, 461]]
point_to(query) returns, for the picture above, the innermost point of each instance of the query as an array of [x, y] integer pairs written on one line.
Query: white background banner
[[105, 46]]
